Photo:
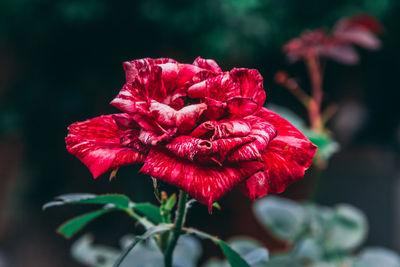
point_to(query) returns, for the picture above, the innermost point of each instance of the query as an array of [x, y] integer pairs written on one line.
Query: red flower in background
[[358, 30], [196, 127]]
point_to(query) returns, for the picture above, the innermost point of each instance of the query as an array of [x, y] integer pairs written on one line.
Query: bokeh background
[[61, 62]]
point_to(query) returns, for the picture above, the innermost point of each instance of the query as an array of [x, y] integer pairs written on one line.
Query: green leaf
[[119, 201], [282, 217], [71, 227], [348, 229], [150, 211], [326, 145], [170, 203], [116, 200], [149, 233], [232, 256], [252, 251]]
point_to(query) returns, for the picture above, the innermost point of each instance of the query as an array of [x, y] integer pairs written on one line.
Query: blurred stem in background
[[314, 109]]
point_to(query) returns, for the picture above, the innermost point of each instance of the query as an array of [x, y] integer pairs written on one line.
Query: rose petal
[[129, 100], [148, 123], [151, 138], [250, 83], [133, 67], [207, 64], [96, 142], [186, 73], [220, 87], [205, 183], [286, 158], [262, 132], [125, 122], [242, 107], [164, 114], [184, 118], [147, 85], [215, 109], [177, 76]]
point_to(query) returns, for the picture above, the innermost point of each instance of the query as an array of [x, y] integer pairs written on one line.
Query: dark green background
[[61, 61]]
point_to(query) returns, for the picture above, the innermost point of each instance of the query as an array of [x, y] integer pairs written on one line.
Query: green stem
[[201, 234], [164, 237], [177, 231]]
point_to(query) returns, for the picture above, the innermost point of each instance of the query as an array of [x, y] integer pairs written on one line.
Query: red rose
[[196, 127]]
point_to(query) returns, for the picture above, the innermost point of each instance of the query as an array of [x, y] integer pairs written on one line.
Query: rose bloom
[[195, 127], [360, 30]]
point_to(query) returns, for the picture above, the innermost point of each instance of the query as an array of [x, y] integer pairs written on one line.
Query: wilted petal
[[187, 147], [205, 183], [286, 158], [207, 64], [231, 128], [222, 129], [96, 142], [251, 84], [204, 130]]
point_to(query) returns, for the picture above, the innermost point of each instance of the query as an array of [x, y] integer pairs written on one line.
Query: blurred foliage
[[186, 254], [220, 28], [318, 236], [157, 222]]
